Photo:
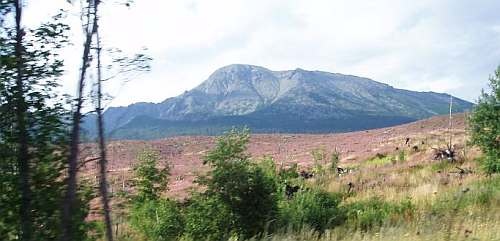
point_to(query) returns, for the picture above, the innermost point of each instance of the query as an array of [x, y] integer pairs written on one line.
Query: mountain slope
[[277, 101]]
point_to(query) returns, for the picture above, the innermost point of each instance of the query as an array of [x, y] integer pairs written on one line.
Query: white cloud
[[449, 45]]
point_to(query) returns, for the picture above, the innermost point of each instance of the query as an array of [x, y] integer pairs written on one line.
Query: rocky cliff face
[[246, 93]]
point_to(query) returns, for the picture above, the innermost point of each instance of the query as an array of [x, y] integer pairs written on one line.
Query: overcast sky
[[426, 45]]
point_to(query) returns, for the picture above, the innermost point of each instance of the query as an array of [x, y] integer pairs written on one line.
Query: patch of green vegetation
[[401, 156], [411, 169], [484, 194], [157, 219], [441, 165], [316, 209], [374, 212], [485, 127], [288, 173], [207, 218], [379, 160], [249, 199]]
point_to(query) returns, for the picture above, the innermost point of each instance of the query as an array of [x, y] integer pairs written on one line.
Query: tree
[[149, 180], [152, 216], [68, 226], [243, 186], [158, 219], [484, 124], [33, 128], [103, 183], [207, 218], [22, 132]]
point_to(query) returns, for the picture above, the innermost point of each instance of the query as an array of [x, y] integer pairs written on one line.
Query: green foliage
[[208, 218], [157, 220], [319, 155], [152, 216], [374, 212], [379, 160], [46, 128], [288, 173], [316, 209], [401, 156], [149, 180], [230, 147], [334, 160], [441, 165], [268, 167], [485, 125], [243, 186], [484, 194]]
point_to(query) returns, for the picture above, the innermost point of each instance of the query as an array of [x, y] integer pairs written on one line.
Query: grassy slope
[[446, 206]]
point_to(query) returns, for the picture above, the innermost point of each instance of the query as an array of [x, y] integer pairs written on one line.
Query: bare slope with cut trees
[[370, 185], [185, 152]]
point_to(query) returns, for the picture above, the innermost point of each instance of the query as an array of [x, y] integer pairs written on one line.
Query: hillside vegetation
[[402, 194]]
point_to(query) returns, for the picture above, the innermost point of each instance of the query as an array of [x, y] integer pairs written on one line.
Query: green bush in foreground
[[374, 212], [157, 219], [207, 218], [243, 186], [485, 125], [316, 209]]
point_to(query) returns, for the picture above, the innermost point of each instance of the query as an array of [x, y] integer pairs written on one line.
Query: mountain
[[297, 101]]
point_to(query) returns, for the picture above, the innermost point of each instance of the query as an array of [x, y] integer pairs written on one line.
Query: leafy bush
[[149, 180], [243, 186], [288, 173], [374, 212], [485, 125], [268, 167], [334, 160], [316, 209], [208, 218], [157, 219], [319, 157]]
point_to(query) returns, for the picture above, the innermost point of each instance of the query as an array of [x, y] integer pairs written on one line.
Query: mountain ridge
[[240, 94]]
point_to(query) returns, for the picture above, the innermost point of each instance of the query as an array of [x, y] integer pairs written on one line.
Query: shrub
[[334, 160], [149, 180], [208, 218], [401, 156], [157, 219], [243, 186], [485, 125], [268, 167], [374, 212], [316, 209], [319, 155], [288, 173]]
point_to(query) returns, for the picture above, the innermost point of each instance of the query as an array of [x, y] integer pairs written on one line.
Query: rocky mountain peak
[[287, 100]]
